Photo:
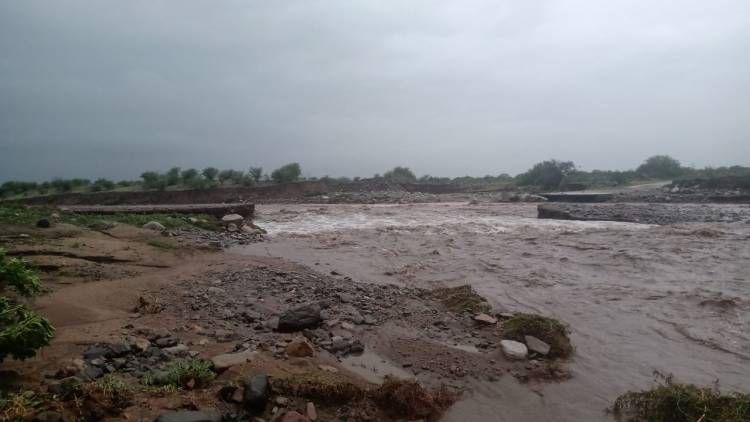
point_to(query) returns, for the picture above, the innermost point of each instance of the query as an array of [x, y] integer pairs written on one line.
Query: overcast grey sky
[[112, 88]]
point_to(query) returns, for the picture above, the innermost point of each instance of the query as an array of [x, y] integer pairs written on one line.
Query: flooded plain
[[638, 298]]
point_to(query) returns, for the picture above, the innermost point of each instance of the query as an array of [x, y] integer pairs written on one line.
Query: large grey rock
[[256, 393], [154, 225], [305, 316], [232, 219], [207, 415], [514, 350], [228, 360], [536, 345]]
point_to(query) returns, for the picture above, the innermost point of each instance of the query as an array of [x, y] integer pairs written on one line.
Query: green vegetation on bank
[[669, 401], [22, 331], [19, 215]]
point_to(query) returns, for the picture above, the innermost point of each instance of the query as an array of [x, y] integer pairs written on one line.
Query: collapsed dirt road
[[638, 298]]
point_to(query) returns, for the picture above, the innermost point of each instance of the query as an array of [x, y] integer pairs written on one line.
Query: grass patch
[[549, 330], [28, 216], [187, 373], [408, 399], [319, 386], [169, 221], [669, 401], [161, 244], [17, 215], [461, 298], [19, 406]]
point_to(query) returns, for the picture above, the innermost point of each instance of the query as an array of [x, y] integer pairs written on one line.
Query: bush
[[154, 180], [287, 173], [15, 187], [189, 373], [660, 167], [256, 173], [550, 331], [400, 175], [173, 176], [547, 174], [188, 175], [673, 402], [210, 173], [22, 331], [101, 185]]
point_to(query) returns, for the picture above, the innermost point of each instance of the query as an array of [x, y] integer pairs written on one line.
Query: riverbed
[[638, 298]]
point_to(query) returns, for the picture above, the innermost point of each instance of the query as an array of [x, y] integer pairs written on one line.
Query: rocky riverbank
[[647, 213]]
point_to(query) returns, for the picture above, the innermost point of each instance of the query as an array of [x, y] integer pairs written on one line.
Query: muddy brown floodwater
[[638, 298]]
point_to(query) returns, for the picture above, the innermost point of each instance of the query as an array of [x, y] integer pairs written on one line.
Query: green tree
[[547, 174], [154, 180], [287, 173], [256, 173], [188, 176], [210, 173], [22, 331], [173, 176], [400, 175], [660, 167]]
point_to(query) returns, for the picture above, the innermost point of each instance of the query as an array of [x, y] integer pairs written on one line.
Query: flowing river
[[637, 298]]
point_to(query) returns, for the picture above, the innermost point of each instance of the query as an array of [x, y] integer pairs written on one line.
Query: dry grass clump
[[674, 402], [408, 399], [320, 386], [461, 298], [549, 330]]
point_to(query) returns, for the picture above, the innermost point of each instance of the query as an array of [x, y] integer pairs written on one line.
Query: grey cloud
[[112, 88]]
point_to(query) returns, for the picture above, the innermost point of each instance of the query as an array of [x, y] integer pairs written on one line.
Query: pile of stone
[[135, 356]]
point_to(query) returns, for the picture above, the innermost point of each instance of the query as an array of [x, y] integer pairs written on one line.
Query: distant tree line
[[175, 177], [545, 175]]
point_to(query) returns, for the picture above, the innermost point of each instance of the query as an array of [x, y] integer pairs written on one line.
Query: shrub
[[256, 173], [154, 180], [660, 167], [406, 398], [210, 173], [22, 331], [547, 174], [188, 373], [400, 175], [673, 402], [550, 331], [173, 176], [101, 185], [287, 173], [188, 175]]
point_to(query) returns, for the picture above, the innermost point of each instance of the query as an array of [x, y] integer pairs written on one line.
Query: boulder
[[537, 346], [228, 360], [206, 415], [235, 219], [256, 393], [300, 347], [485, 319], [514, 350], [296, 319], [231, 227], [312, 414], [154, 225]]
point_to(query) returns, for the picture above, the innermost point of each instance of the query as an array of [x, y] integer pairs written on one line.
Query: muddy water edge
[[637, 298]]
